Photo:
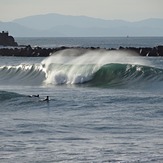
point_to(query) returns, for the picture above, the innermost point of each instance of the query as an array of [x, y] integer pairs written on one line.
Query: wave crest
[[96, 68], [25, 74]]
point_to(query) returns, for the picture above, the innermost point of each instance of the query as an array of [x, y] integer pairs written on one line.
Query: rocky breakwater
[[28, 51], [146, 51]]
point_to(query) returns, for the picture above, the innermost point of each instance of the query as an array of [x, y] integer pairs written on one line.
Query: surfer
[[46, 99], [38, 96], [34, 95]]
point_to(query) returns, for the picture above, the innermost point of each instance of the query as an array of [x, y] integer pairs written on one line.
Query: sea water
[[104, 107], [102, 42]]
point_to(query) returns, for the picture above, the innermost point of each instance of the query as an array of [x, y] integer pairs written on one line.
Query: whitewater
[[105, 106]]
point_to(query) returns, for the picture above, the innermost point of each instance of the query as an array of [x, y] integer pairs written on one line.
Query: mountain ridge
[[57, 25]]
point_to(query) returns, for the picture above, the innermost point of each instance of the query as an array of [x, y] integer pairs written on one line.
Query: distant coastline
[[57, 25]]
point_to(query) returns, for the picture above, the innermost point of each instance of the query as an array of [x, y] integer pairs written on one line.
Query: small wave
[[11, 101], [24, 74], [5, 95]]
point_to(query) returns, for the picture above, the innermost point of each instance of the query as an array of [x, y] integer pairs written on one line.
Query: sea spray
[[80, 66], [76, 66]]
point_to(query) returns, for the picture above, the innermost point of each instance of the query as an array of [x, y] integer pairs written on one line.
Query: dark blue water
[[104, 107], [102, 42]]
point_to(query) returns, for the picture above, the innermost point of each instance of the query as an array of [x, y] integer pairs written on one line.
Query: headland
[[7, 40]]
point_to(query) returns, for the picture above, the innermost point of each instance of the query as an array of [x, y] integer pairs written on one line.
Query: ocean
[[105, 106]]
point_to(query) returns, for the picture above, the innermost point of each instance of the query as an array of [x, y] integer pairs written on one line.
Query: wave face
[[24, 74], [4, 95], [126, 74], [113, 74], [89, 67], [99, 68]]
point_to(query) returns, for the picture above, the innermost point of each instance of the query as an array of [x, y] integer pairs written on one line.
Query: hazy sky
[[130, 10]]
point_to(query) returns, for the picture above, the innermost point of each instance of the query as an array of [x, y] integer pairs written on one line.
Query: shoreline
[[28, 51]]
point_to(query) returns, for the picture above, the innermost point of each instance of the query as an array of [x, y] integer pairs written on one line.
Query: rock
[[145, 51], [160, 50], [6, 40], [29, 51]]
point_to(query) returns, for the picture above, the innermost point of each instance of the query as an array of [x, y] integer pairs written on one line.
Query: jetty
[[29, 51], [11, 48]]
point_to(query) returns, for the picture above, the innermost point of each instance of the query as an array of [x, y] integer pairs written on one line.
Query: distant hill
[[56, 25]]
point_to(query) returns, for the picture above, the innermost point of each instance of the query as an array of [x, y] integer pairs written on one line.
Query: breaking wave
[[24, 74], [92, 68], [126, 74]]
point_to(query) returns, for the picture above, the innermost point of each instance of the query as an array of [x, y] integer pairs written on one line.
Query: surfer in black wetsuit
[[46, 99], [34, 95], [38, 96]]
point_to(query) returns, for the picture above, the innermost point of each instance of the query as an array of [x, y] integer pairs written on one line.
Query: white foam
[[73, 66]]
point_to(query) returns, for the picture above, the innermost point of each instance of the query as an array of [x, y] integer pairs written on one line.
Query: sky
[[129, 10]]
